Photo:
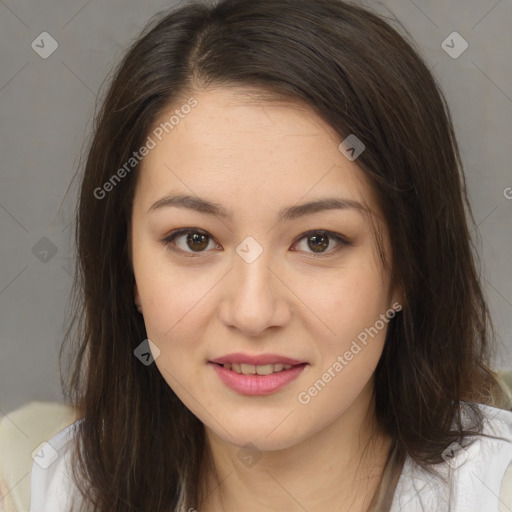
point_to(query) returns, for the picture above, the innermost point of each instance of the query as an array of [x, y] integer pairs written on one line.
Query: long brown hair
[[138, 447]]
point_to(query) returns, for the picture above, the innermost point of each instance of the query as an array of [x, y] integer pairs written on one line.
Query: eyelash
[[166, 241]]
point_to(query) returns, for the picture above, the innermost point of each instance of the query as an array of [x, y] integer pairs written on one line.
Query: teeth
[[248, 369], [251, 369], [265, 369]]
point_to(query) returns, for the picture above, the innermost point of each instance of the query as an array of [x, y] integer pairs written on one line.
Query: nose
[[256, 297]]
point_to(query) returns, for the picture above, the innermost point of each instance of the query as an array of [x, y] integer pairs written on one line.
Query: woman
[[279, 307]]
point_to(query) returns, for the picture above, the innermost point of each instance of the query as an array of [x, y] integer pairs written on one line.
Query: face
[[251, 287]]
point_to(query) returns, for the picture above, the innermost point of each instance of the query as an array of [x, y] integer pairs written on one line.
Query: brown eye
[[192, 242], [319, 241], [188, 241], [197, 241]]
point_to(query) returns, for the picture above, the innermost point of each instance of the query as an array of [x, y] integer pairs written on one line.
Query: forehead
[[238, 149]]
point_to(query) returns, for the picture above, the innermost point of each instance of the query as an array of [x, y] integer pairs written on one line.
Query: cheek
[[168, 293], [171, 306], [344, 303]]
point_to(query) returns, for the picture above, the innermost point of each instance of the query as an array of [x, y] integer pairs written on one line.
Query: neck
[[345, 461]]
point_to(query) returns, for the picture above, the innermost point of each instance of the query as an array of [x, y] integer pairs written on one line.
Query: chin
[[266, 435]]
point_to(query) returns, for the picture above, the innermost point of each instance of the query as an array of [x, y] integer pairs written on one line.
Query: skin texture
[[255, 158]]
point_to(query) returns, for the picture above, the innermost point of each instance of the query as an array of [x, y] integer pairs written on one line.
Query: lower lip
[[257, 384]]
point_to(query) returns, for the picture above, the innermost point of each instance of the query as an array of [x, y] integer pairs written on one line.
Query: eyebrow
[[290, 213]]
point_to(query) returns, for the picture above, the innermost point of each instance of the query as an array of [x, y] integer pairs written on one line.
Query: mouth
[[256, 360], [260, 369], [256, 375]]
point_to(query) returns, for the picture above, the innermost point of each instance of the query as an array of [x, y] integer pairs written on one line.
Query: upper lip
[[262, 359]]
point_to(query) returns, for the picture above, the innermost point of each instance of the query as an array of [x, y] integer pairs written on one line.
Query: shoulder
[[52, 486], [497, 422], [473, 477], [22, 433], [491, 460]]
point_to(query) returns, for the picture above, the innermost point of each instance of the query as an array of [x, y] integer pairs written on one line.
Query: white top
[[51, 486], [474, 474]]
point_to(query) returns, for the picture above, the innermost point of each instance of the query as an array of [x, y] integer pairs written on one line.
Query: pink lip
[[257, 384], [241, 358]]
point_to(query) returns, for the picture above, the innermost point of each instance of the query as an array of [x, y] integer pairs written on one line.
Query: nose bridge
[[253, 276], [255, 295], [252, 272]]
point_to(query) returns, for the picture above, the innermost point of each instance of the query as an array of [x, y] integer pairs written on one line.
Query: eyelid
[[167, 239], [342, 241], [332, 234]]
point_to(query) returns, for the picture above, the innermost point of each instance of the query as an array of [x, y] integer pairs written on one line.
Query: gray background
[[47, 106]]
